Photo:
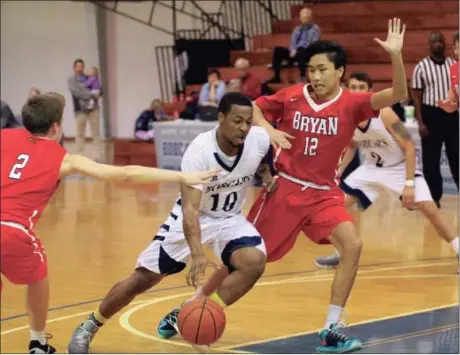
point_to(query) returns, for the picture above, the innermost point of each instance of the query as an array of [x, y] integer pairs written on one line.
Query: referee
[[431, 83]]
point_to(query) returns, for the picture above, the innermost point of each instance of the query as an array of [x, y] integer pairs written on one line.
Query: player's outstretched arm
[[402, 137], [393, 45], [131, 174]]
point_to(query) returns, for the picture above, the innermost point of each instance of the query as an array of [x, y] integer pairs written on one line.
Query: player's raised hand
[[198, 178], [395, 37], [280, 139]]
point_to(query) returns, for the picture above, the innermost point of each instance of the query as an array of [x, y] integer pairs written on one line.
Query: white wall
[[39, 42], [133, 76]]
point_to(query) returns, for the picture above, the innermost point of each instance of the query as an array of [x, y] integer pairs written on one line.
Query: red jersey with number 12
[[322, 130], [29, 177]]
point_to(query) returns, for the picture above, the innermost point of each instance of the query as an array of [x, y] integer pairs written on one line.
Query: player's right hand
[[198, 178], [280, 139], [199, 264], [423, 130]]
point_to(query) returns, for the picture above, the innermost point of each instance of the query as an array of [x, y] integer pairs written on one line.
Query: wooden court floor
[[93, 233]]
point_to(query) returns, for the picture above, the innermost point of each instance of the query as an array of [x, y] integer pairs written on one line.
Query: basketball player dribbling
[[317, 122], [32, 165], [390, 163], [201, 215]]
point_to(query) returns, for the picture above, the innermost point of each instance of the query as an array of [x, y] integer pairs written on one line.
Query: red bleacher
[[354, 25]]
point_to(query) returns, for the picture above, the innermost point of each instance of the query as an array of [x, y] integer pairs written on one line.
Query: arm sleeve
[[363, 108]]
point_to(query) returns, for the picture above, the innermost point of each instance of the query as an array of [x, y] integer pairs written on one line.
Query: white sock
[[454, 244], [40, 336], [333, 316]]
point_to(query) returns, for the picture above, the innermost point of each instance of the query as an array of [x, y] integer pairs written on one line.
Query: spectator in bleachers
[[249, 84], [302, 36], [144, 123], [430, 84], [210, 95]]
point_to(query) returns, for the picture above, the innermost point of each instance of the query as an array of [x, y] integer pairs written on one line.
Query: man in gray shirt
[[86, 108]]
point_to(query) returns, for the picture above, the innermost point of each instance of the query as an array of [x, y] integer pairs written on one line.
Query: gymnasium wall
[[40, 40]]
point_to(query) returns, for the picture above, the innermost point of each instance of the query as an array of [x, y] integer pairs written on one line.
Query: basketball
[[201, 322]]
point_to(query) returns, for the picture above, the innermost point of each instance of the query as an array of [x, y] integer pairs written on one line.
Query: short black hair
[[40, 112], [78, 60], [233, 98], [214, 71], [362, 76], [455, 37], [335, 52]]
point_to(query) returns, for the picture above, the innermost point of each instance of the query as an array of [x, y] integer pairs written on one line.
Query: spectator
[[210, 95], [302, 36], [84, 112], [144, 123], [92, 83], [249, 84], [7, 119], [34, 92], [430, 84]]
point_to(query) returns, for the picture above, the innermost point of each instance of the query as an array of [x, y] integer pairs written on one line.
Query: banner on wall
[[173, 138]]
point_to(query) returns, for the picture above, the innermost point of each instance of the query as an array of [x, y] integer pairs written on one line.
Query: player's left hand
[[266, 177], [395, 37], [448, 105], [408, 196], [198, 178]]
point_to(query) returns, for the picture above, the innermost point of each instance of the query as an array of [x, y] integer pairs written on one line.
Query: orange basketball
[[201, 322]]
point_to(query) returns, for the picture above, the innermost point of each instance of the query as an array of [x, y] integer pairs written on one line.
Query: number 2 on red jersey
[[22, 161]]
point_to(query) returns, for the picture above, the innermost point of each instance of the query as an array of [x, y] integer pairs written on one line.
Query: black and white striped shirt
[[433, 78]]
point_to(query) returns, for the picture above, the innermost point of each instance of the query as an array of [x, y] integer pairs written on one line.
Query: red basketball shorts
[[23, 258], [282, 215]]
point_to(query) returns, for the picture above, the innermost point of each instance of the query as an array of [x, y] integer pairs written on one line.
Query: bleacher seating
[[354, 25]]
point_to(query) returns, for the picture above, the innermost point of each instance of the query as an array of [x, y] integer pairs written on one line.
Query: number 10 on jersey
[[229, 202], [311, 143]]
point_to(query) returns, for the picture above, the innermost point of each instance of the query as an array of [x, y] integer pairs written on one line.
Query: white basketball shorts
[[367, 181], [168, 253]]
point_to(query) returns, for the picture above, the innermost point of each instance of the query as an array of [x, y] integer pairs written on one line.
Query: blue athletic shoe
[[332, 341], [168, 325]]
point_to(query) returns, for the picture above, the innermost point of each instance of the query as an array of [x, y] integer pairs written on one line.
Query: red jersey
[[454, 79], [322, 131], [30, 175]]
